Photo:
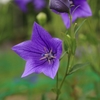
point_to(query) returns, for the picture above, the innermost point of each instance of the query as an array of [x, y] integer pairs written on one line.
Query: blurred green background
[[16, 26]]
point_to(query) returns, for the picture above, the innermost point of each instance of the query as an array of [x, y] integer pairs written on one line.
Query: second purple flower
[[38, 4], [77, 9]]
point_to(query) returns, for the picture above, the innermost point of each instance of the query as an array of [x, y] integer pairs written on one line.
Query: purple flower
[[38, 4], [77, 8], [42, 52]]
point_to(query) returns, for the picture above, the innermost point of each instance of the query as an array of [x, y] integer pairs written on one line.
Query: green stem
[[65, 73], [57, 97], [57, 85]]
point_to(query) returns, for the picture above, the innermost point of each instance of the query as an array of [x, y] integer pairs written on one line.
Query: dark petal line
[[41, 45], [37, 50], [37, 66], [56, 50], [52, 62], [31, 51], [43, 40], [41, 64]]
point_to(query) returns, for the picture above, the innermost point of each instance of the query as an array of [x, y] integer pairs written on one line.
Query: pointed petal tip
[[35, 24], [48, 75], [24, 75], [52, 77], [67, 26], [90, 14], [13, 48]]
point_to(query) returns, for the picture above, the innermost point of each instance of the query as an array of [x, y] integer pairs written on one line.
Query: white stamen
[[71, 3], [47, 55]]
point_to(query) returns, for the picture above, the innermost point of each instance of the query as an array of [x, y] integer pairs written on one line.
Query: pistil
[[49, 56]]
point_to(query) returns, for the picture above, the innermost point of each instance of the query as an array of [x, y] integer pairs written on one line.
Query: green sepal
[[67, 41], [65, 46], [77, 67]]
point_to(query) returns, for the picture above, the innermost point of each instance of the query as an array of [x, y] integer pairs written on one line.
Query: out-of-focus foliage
[[16, 26]]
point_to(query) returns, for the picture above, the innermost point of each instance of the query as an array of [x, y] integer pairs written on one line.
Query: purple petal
[[48, 69], [52, 69], [81, 9], [27, 50], [65, 19], [39, 4], [40, 36], [22, 4], [56, 45], [29, 68]]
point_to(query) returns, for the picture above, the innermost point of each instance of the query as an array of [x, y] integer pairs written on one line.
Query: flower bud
[[68, 36], [42, 18], [59, 5]]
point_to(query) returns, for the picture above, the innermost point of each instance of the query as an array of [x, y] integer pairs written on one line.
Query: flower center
[[71, 3], [48, 55]]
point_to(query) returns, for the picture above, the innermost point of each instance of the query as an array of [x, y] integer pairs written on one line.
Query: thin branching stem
[[59, 89], [63, 55]]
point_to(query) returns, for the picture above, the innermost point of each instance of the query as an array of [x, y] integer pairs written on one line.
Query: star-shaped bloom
[[38, 4], [42, 52], [77, 8]]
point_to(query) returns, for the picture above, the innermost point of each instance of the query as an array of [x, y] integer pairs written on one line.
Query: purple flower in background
[[59, 5], [38, 4], [42, 52], [77, 8]]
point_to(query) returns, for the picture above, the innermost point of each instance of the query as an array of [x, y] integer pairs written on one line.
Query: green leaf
[[80, 26], [77, 67]]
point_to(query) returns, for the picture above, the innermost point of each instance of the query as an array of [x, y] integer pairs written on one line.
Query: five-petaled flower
[[77, 8], [42, 52], [38, 4]]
